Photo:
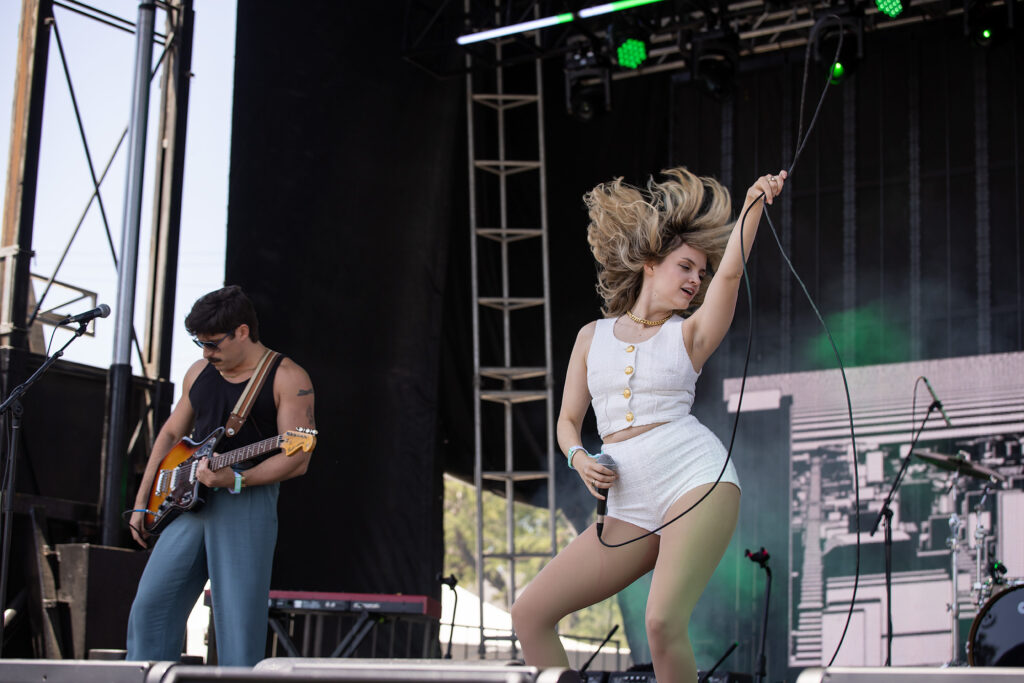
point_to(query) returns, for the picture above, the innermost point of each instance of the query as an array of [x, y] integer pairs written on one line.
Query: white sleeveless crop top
[[639, 383]]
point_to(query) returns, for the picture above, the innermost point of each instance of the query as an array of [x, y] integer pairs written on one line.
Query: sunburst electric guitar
[[175, 487]]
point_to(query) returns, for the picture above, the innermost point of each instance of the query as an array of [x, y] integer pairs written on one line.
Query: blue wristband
[[572, 452]]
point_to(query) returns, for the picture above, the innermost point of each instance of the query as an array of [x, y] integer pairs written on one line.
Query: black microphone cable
[[828, 332]]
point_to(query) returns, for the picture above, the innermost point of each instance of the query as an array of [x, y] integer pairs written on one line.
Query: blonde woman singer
[[656, 249]]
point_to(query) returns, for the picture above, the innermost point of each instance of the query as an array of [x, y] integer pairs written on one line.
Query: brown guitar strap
[[248, 398]]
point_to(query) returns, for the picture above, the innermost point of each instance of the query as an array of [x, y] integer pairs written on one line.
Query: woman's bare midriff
[[630, 432]]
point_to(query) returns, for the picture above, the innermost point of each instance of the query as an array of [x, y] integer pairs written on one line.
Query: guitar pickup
[[192, 472], [161, 482]]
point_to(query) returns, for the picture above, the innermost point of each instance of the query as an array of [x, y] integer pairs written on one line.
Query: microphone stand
[[603, 643], [761, 557], [451, 582], [886, 514], [707, 674], [13, 406]]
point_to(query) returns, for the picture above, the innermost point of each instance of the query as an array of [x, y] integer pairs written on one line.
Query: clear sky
[[101, 61]]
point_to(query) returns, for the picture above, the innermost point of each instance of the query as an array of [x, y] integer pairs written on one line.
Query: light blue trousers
[[230, 540]]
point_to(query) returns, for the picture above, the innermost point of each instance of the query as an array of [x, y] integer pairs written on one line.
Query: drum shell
[[997, 633]]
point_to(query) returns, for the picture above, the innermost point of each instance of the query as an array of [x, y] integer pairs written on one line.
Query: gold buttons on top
[[629, 369], [629, 417], [630, 349], [627, 393]]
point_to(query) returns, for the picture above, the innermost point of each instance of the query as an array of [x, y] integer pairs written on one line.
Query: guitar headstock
[[301, 439]]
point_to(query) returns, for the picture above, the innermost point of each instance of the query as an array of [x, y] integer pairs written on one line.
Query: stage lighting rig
[[714, 56], [628, 41], [890, 8], [985, 24], [588, 83], [825, 38]]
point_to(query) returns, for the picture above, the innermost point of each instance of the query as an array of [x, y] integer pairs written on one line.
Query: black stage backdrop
[[345, 185], [347, 224]]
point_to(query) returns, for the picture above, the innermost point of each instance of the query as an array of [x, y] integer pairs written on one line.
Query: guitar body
[[175, 488]]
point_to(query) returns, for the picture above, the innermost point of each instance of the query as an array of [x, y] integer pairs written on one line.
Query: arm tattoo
[[305, 392]]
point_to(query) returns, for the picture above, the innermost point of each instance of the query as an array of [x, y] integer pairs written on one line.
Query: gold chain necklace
[[648, 323]]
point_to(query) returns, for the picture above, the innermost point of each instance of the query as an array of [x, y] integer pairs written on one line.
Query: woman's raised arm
[[711, 321]]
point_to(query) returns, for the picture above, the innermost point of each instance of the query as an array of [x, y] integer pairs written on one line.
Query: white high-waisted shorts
[[657, 467]]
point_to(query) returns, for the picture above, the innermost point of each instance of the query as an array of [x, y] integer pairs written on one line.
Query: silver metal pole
[[478, 466], [955, 525], [545, 259], [129, 257], [120, 369]]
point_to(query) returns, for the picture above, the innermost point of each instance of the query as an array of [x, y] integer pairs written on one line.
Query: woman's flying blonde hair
[[630, 227]]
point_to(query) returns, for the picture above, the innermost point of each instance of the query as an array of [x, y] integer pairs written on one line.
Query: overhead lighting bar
[[553, 20], [512, 29], [609, 7]]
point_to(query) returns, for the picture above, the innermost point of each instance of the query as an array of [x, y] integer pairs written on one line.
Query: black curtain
[[345, 186]]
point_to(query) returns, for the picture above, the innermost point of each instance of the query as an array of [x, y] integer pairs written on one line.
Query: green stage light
[[983, 36], [631, 53], [839, 46], [890, 8], [627, 41], [837, 74]]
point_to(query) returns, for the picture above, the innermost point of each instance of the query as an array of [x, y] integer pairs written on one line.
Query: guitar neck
[[244, 453]]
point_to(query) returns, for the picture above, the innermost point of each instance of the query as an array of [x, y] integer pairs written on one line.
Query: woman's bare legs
[[584, 573], [691, 549]]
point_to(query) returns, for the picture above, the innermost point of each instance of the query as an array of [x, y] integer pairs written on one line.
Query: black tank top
[[213, 398]]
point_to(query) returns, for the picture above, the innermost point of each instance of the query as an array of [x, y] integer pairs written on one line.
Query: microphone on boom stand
[[101, 311], [937, 403]]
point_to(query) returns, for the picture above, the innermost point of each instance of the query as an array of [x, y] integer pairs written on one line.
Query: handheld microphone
[[604, 460], [938, 403], [101, 311]]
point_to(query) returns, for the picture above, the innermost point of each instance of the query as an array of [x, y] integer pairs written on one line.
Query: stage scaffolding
[[495, 98], [21, 312]]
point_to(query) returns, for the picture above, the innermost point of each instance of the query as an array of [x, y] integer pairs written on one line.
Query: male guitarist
[[231, 538]]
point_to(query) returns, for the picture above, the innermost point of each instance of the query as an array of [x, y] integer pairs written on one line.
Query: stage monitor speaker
[[911, 674], [81, 671], [98, 583], [384, 671]]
